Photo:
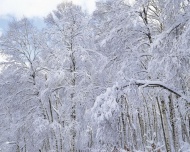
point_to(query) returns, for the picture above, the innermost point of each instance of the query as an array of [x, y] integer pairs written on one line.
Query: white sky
[[36, 8]]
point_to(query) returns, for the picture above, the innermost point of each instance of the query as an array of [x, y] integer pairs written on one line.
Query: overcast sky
[[36, 9], [30, 8]]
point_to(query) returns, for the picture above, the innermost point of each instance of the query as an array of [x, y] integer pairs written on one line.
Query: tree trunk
[[183, 127], [155, 124], [163, 124], [173, 123], [123, 120], [141, 123]]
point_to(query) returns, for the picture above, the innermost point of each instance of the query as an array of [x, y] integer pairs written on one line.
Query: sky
[[33, 9]]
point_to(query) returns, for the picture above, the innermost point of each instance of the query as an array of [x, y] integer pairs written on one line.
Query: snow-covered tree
[[115, 80], [20, 86]]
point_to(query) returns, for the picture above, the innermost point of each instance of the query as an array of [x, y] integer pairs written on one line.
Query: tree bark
[[164, 124], [173, 123], [165, 127]]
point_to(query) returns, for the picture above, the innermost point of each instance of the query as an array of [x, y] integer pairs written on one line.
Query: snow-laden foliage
[[105, 114], [115, 80]]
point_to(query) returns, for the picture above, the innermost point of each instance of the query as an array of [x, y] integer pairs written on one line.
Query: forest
[[116, 80]]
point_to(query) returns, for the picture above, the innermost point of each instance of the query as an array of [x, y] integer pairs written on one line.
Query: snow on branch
[[149, 83]]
